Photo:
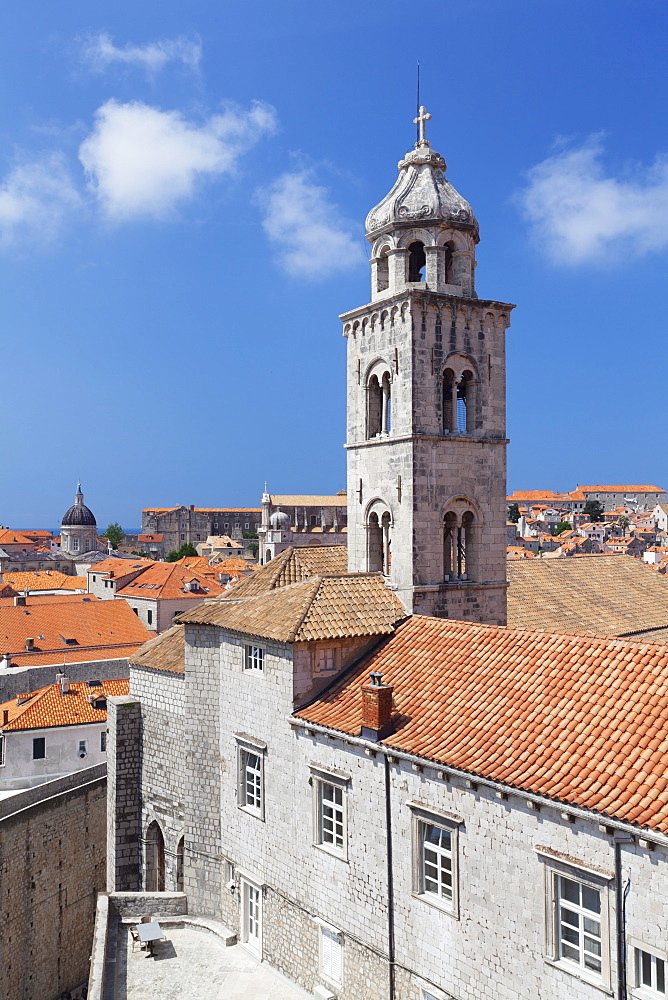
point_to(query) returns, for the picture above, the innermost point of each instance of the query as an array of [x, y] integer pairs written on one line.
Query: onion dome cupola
[[78, 514], [78, 532], [280, 521], [423, 232]]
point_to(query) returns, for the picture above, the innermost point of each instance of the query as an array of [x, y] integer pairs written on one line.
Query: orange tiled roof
[[160, 581], [120, 567], [597, 594], [232, 565], [39, 599], [293, 565], [60, 658], [150, 538], [92, 624], [623, 489], [542, 712], [44, 579], [204, 510], [308, 500], [318, 608], [10, 537], [165, 652], [50, 707]]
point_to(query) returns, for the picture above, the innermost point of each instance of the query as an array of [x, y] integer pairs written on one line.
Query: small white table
[[148, 933]]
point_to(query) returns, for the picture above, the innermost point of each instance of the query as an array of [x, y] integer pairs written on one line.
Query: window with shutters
[[331, 955], [250, 780]]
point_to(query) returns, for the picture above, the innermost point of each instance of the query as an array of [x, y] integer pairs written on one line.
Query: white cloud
[[99, 52], [311, 238], [34, 201], [579, 214], [142, 161]]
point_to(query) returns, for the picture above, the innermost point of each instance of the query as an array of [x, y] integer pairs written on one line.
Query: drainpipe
[[390, 878], [621, 892]]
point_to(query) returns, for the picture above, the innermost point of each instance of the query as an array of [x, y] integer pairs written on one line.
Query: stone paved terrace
[[195, 965]]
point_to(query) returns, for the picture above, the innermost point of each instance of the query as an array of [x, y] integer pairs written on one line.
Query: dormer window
[[416, 261]]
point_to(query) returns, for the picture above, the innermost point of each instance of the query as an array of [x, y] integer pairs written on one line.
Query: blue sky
[[182, 195]]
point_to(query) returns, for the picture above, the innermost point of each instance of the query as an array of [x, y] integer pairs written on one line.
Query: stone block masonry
[[52, 866], [124, 793]]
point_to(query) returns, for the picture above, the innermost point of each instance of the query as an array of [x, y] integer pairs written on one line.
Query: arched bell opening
[[383, 270], [416, 261], [465, 404]]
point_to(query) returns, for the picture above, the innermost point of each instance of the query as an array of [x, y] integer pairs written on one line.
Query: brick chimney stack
[[376, 709]]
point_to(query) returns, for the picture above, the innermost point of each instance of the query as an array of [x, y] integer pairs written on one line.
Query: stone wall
[[52, 865], [416, 469], [124, 758], [165, 751]]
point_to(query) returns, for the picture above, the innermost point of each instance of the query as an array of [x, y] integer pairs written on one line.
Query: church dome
[[421, 196], [78, 514], [280, 521]]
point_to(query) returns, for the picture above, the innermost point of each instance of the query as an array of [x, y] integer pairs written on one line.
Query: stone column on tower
[[426, 436]]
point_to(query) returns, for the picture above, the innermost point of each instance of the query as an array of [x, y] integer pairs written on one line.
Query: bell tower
[[426, 436]]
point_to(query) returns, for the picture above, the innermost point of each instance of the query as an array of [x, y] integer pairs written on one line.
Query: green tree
[[594, 510], [562, 526], [187, 549], [623, 524], [114, 534], [514, 513]]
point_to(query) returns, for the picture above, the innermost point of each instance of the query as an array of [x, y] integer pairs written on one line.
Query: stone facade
[[426, 408], [496, 939], [52, 858], [179, 525]]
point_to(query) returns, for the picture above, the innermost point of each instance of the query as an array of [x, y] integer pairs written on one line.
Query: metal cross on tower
[[421, 121]]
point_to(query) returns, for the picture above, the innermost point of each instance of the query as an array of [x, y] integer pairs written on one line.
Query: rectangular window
[[650, 974], [250, 780], [436, 875], [331, 817], [103, 741], [38, 748], [254, 658], [331, 955], [579, 924], [83, 746], [183, 538], [149, 617]]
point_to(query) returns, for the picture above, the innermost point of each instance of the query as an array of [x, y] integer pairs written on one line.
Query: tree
[[623, 523], [114, 534], [187, 549], [514, 513], [594, 510], [562, 526]]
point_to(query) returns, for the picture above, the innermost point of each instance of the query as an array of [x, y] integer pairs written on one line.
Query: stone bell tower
[[426, 436]]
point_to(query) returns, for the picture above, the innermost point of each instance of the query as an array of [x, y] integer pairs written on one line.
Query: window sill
[[332, 852], [645, 993], [438, 904], [258, 814], [578, 973]]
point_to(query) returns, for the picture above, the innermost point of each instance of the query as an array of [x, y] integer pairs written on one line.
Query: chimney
[[20, 601], [30, 645], [4, 661], [376, 709], [5, 716], [192, 506], [64, 684]]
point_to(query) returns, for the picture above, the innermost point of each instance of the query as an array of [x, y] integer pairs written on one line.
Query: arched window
[[449, 400], [374, 543], [155, 859], [416, 261], [374, 407], [465, 408], [459, 546], [383, 270], [379, 543], [447, 264], [179, 865], [378, 404]]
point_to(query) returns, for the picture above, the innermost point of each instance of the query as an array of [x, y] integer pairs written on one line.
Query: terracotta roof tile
[[161, 581], [45, 579], [600, 595], [318, 608], [622, 489], [542, 712], [293, 565], [308, 500], [65, 626], [50, 707], [165, 652]]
